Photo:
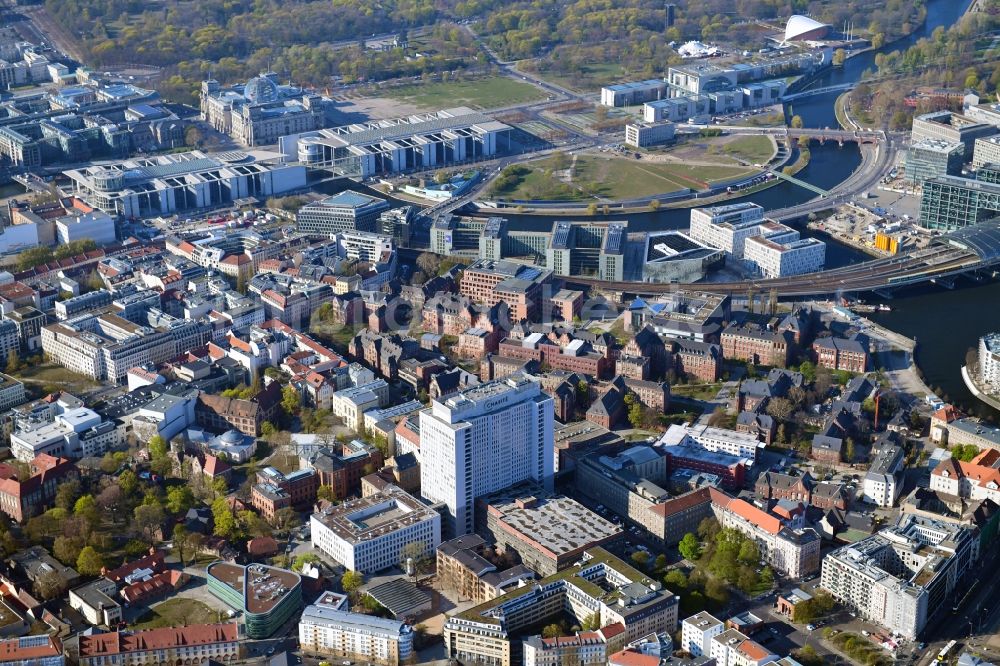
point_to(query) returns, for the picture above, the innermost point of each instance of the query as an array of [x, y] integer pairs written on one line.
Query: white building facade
[[483, 440]]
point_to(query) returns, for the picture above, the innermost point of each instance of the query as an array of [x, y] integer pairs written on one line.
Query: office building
[[183, 182], [262, 110], [842, 353], [697, 633], [463, 568], [903, 576], [518, 285], [95, 602], [328, 628], [21, 499], [636, 92], [196, 642], [548, 532], [986, 151], [482, 440], [107, 346], [884, 479], [929, 158], [587, 248], [584, 648], [599, 584], [952, 128], [276, 490], [346, 211], [791, 552], [371, 533], [734, 648], [418, 141], [267, 596], [73, 433], [641, 135], [676, 109], [949, 202], [781, 253], [720, 440], [43, 650], [726, 227]]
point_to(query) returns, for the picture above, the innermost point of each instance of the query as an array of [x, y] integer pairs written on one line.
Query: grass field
[[588, 77], [178, 612], [615, 178], [754, 149], [488, 93], [50, 375]]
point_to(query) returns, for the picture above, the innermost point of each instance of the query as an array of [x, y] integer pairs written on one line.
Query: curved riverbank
[[976, 392]]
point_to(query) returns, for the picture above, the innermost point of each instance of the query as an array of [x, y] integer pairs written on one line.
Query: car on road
[[811, 627]]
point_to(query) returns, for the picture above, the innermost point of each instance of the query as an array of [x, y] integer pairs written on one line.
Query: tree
[[157, 447], [849, 450], [749, 553], [49, 585], [796, 122], [67, 494], [781, 409], [267, 429], [552, 630], [303, 559], [635, 414], [128, 482], [351, 582], [109, 499], [180, 536], [67, 549], [148, 518], [90, 562], [290, 400], [808, 370], [325, 492], [285, 518], [13, 362], [676, 581], [660, 563], [226, 525], [641, 559], [429, 263], [179, 499], [839, 56], [689, 547], [86, 508]]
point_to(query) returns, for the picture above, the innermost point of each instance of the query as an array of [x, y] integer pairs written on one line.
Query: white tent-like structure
[[803, 28]]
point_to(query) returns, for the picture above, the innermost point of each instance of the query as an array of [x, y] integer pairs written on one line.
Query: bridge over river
[[967, 250]]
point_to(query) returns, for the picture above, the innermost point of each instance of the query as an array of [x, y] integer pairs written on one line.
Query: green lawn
[[589, 77], [616, 178], [50, 375], [178, 612], [697, 391], [754, 149], [487, 93]]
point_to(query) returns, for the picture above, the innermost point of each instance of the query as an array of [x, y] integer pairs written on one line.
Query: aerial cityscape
[[499, 333]]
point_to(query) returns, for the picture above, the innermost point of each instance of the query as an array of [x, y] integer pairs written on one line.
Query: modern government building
[[183, 182], [420, 141], [268, 597]]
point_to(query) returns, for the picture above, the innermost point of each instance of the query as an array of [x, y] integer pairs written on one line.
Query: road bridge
[[974, 248]]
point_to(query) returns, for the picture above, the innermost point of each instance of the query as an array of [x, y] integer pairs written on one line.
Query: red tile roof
[[11, 650], [630, 658], [117, 642]]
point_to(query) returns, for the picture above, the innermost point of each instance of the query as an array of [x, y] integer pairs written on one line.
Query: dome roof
[[232, 437], [260, 89], [803, 27]]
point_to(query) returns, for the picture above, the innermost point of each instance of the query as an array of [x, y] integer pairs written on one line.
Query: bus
[[945, 651]]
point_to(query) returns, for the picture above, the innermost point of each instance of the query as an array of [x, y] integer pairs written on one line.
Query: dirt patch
[[374, 108]]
